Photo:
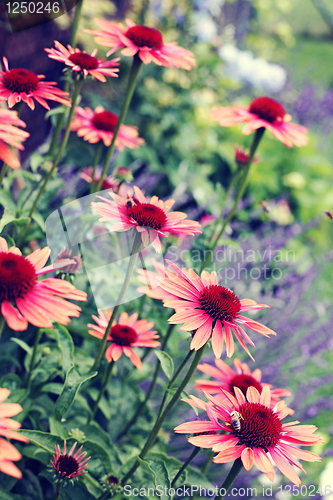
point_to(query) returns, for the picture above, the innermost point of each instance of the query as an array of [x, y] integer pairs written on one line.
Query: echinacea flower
[[151, 219], [258, 437], [210, 310], [124, 335], [37, 302], [146, 42], [86, 63], [108, 182], [242, 156], [8, 453], [69, 465], [152, 280], [124, 174], [99, 125], [263, 112], [20, 84], [227, 379], [10, 134]]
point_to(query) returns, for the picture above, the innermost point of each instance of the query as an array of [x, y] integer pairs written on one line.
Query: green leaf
[[9, 239], [22, 344], [44, 440], [6, 201], [147, 468], [57, 429], [37, 217], [166, 363], [99, 464], [6, 495], [161, 472], [9, 218], [66, 346], [71, 387]]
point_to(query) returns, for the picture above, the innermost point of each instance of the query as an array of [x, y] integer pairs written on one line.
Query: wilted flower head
[[20, 84], [146, 42], [66, 254], [124, 174], [81, 61], [263, 112], [242, 156], [67, 465]]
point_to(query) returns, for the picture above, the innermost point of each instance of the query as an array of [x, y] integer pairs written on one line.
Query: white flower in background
[[204, 26], [242, 66]]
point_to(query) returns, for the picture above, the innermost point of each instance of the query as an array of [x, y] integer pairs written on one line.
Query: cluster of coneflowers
[[243, 416]]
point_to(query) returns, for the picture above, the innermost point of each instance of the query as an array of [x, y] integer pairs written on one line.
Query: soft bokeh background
[[244, 49]]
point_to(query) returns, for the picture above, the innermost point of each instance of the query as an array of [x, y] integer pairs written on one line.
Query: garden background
[[279, 48]]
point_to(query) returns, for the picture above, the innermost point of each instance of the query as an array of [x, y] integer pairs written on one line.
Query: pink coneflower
[[152, 282], [242, 156], [124, 335], [20, 84], [99, 125], [108, 182], [10, 134], [144, 41], [260, 434], [8, 453], [210, 310], [67, 465], [263, 112], [151, 219], [38, 302], [124, 174], [81, 61], [227, 379]]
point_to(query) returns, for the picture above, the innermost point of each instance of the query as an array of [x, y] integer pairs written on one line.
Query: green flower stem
[[158, 424], [208, 462], [57, 496], [60, 119], [234, 471], [133, 77], [134, 255], [76, 22], [172, 381], [2, 324], [3, 172], [105, 383], [256, 140], [33, 357], [76, 93], [225, 199], [185, 464], [97, 158], [151, 388]]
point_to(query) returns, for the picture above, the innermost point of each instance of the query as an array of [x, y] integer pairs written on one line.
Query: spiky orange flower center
[[267, 109], [105, 120], [259, 427], [220, 302], [85, 61], [20, 80], [67, 466], [143, 36], [123, 335], [17, 276], [243, 382], [147, 215]]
